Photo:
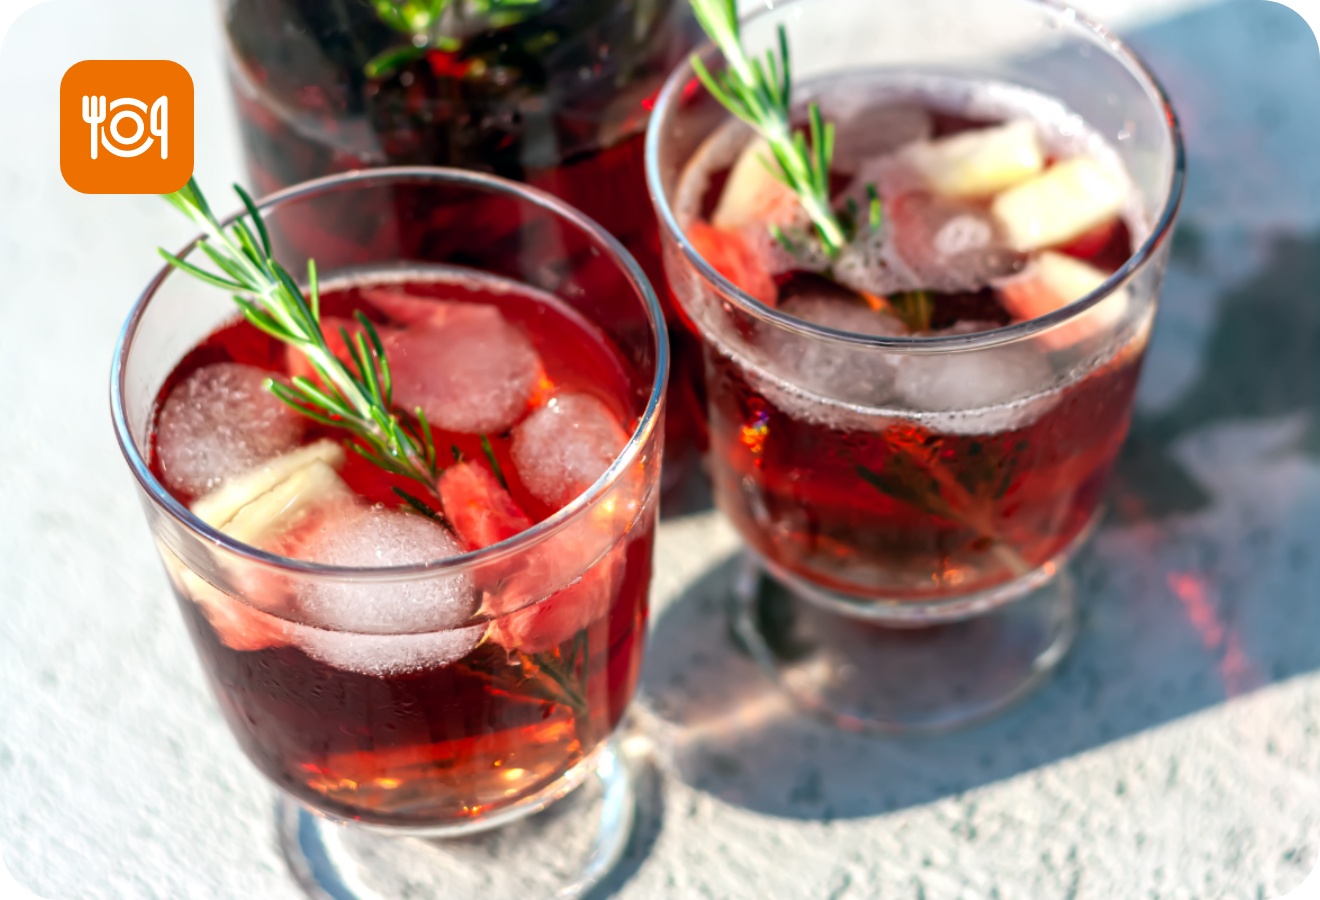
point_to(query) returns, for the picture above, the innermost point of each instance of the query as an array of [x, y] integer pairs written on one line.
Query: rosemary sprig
[[420, 20], [356, 398], [758, 92]]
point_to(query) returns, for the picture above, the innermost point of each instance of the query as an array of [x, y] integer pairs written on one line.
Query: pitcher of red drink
[[555, 93]]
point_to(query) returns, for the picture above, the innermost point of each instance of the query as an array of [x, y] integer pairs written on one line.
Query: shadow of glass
[[1259, 366], [1155, 645]]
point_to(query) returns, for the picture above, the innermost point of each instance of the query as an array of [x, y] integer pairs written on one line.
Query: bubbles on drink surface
[[982, 186]]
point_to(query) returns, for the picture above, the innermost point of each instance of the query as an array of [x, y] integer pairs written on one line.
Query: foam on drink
[[928, 242]]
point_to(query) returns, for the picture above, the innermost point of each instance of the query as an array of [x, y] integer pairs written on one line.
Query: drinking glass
[[390, 749], [916, 555]]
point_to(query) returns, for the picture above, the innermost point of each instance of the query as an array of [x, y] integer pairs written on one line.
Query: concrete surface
[[1175, 756]]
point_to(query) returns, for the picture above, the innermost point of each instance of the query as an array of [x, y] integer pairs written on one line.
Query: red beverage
[[554, 93], [420, 704], [914, 511], [906, 476]]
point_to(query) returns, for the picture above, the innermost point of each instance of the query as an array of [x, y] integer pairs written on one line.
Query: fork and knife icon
[[140, 119]]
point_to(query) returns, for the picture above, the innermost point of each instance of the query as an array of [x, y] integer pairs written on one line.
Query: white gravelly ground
[[1177, 754]]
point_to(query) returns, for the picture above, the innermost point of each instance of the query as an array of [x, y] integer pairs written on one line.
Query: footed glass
[[492, 708], [910, 503]]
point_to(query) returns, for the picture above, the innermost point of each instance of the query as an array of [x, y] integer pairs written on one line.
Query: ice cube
[[840, 371], [977, 391], [562, 448], [947, 245], [475, 375], [220, 421], [867, 131], [381, 655], [376, 537]]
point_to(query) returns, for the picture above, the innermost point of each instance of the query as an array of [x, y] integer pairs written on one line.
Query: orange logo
[[126, 126]]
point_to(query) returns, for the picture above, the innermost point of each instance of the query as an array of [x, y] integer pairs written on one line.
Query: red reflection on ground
[[1236, 669]]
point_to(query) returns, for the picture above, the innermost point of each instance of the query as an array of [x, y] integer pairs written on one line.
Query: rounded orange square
[[126, 126]]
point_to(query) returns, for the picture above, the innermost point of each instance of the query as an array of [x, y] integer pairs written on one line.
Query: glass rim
[[672, 92], [553, 524]]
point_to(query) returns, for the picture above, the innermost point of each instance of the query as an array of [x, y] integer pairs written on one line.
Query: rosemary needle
[[356, 397], [758, 92]]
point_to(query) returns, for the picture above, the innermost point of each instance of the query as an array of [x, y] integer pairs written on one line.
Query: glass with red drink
[[914, 434], [554, 93], [419, 662]]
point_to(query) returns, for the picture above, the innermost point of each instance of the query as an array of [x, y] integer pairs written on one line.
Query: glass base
[[865, 676], [565, 841]]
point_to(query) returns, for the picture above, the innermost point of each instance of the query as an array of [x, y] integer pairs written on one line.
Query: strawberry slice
[[1091, 244], [556, 619], [479, 508], [483, 513], [1055, 281], [239, 626], [406, 309], [729, 254]]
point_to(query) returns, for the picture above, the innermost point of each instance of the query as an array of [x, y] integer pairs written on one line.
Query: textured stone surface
[[1175, 756]]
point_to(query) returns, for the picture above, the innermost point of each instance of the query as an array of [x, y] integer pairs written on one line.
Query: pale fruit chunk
[[1060, 205], [1054, 281], [753, 195], [281, 508], [259, 507], [978, 163], [223, 503]]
